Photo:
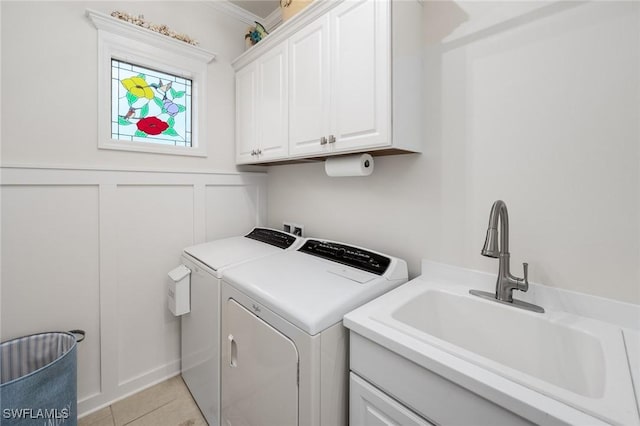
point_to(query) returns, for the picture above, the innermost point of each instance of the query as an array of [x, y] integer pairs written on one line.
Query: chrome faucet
[[506, 282]]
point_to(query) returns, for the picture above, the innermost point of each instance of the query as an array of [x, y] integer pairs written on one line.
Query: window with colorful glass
[[150, 106]]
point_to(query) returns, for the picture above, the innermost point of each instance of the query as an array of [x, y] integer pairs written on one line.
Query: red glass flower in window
[[152, 125]]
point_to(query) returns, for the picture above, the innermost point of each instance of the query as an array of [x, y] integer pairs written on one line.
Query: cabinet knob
[[253, 152], [259, 152], [323, 140], [332, 139]]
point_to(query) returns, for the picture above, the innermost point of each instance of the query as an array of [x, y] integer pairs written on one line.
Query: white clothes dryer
[[284, 348], [200, 328]]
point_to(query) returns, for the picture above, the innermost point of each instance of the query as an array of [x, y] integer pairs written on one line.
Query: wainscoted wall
[[91, 249]]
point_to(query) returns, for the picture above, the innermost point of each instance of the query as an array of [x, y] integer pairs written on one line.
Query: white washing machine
[[201, 326], [284, 349]]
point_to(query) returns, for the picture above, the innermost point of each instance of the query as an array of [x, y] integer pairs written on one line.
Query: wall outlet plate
[[293, 228]]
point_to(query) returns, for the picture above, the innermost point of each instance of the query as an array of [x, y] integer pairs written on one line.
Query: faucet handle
[[525, 280]]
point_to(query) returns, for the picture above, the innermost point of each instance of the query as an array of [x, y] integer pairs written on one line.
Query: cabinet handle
[[323, 140], [259, 152], [332, 139], [253, 152]]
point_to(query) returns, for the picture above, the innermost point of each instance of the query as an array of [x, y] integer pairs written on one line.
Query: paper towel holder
[[349, 165]]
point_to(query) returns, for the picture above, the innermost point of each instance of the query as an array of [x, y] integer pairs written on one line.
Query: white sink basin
[[553, 352], [577, 361]]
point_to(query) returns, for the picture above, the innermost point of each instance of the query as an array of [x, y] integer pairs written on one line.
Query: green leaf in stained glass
[[140, 134], [178, 95], [158, 101], [131, 98], [123, 122], [173, 92], [171, 121], [182, 108], [170, 132], [142, 76], [144, 111]]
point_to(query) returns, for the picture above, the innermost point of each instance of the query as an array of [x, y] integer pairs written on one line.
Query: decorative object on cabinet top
[[255, 34], [161, 29]]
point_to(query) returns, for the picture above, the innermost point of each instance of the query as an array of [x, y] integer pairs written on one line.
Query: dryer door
[[259, 372]]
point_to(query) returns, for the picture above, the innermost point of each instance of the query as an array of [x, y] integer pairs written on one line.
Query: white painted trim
[[273, 20], [124, 169], [233, 11], [225, 6], [23, 176], [105, 22]]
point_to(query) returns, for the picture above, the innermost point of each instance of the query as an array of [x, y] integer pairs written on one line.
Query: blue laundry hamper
[[38, 379]]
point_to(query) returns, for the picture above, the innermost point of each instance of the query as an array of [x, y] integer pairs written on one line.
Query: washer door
[[259, 372]]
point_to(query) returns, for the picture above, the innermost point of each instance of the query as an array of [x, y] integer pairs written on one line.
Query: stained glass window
[[149, 105]]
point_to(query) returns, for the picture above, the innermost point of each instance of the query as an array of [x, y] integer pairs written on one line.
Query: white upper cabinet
[[309, 89], [246, 96], [352, 83], [262, 108], [360, 71]]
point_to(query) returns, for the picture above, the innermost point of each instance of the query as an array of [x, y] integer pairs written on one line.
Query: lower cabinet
[[371, 407]]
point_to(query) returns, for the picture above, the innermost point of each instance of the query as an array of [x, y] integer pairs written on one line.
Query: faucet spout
[[496, 245], [490, 249], [506, 282]]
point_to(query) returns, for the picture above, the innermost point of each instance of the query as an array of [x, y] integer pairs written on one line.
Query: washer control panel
[[273, 237], [347, 255]]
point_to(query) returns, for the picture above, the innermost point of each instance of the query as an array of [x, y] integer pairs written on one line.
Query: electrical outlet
[[298, 230], [293, 228]]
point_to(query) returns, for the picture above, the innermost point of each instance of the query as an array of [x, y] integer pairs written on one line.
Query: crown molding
[[225, 6], [233, 11], [274, 19]]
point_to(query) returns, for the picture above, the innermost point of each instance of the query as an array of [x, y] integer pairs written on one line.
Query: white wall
[[533, 103], [49, 82], [89, 235]]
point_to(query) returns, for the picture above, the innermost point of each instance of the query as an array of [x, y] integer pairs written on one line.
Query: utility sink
[[579, 361], [554, 351]]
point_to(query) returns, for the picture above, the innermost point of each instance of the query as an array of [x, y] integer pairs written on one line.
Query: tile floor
[[166, 404]]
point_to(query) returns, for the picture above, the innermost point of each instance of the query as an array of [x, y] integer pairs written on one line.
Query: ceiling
[[261, 8]]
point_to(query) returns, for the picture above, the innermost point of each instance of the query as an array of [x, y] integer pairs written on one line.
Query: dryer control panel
[[273, 237], [347, 255]]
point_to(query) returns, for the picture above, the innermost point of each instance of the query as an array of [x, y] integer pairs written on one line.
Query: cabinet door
[[246, 90], [361, 84], [309, 88], [371, 407], [272, 109], [259, 372]]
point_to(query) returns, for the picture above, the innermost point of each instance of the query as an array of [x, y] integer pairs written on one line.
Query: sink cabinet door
[[372, 407]]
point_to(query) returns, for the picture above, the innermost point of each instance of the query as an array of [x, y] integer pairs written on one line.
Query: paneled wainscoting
[[91, 249]]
